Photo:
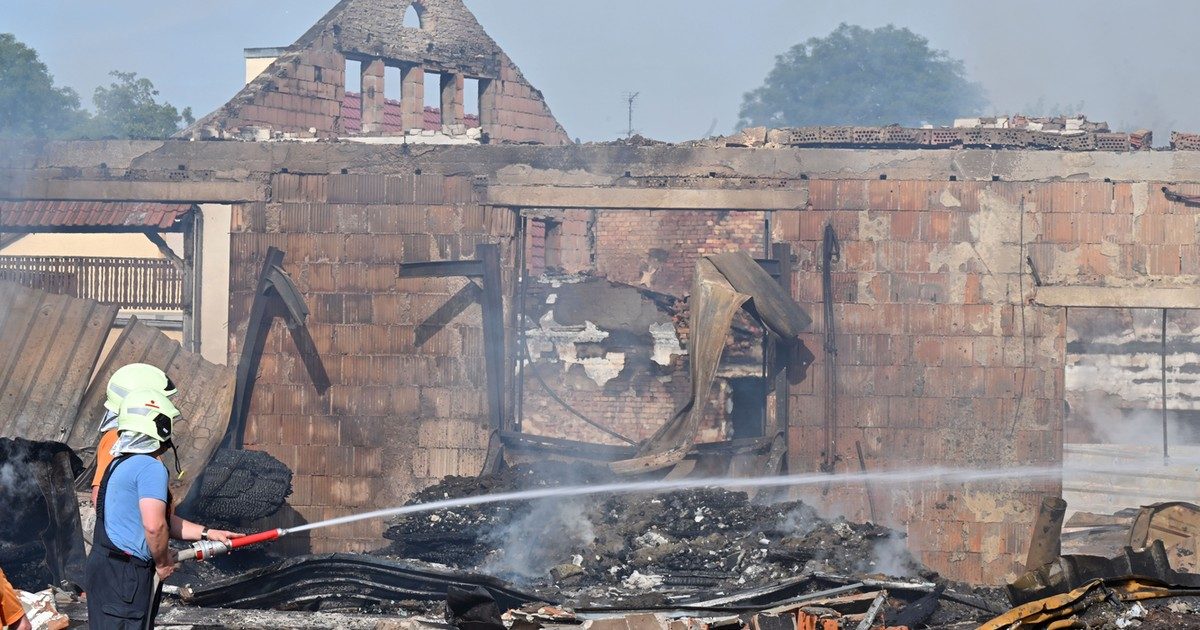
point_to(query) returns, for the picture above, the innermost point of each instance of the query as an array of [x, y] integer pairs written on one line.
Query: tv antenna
[[630, 97]]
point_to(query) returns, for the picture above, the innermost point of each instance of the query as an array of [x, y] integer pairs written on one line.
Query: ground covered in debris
[[671, 542]]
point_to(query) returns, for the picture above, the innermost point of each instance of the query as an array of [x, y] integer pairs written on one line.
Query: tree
[[858, 76], [127, 109], [30, 104]]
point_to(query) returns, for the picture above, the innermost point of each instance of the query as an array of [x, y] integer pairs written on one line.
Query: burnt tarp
[[722, 284], [1073, 571], [344, 581], [41, 540], [777, 310], [204, 399], [48, 345]]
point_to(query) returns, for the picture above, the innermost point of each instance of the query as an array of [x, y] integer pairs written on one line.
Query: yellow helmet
[[134, 377], [148, 412]]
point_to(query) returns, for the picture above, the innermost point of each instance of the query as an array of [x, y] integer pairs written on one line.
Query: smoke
[[20, 495], [551, 531], [800, 520], [1101, 421], [890, 556], [16, 479]]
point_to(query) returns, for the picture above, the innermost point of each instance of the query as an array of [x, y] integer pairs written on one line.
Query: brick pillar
[[452, 99], [489, 89], [372, 96], [412, 98]]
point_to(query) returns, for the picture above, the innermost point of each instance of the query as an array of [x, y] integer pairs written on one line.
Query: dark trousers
[[118, 591]]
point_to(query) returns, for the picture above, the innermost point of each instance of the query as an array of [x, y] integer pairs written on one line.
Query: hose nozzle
[[205, 549]]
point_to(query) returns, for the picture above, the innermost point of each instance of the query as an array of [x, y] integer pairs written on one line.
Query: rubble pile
[[677, 541]]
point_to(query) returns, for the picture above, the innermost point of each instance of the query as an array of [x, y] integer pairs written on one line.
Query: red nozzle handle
[[270, 534]]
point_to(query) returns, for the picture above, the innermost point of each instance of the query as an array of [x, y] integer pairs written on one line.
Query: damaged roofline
[[232, 171]]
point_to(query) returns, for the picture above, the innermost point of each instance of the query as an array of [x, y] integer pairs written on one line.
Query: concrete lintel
[[132, 190], [1126, 297], [645, 198]]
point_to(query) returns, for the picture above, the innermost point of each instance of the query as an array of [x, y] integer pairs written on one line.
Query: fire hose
[[205, 549]]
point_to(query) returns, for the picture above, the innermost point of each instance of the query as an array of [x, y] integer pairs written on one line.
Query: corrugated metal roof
[[48, 346], [58, 214], [205, 397]]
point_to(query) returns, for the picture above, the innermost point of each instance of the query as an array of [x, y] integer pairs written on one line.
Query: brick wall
[[302, 92], [942, 361], [407, 404], [659, 249]]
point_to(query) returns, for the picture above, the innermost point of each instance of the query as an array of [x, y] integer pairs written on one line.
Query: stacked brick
[[659, 250], [950, 137], [407, 404], [634, 404], [941, 360], [301, 91], [511, 110]]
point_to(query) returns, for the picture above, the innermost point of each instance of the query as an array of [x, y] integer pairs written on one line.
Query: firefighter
[[134, 520], [12, 614], [126, 379]]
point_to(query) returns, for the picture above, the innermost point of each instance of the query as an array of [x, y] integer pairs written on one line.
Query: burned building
[[941, 269]]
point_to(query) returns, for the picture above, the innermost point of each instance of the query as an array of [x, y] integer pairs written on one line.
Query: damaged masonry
[[788, 379]]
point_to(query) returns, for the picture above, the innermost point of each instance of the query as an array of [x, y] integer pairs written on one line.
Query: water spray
[[206, 549]]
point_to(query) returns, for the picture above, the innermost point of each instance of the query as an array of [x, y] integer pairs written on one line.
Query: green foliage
[[858, 76], [30, 105], [127, 109]]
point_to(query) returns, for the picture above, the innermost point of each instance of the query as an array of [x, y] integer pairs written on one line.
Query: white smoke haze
[[551, 533], [16, 481], [890, 556], [800, 521]]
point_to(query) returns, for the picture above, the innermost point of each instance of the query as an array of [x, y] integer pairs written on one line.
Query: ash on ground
[[606, 547]]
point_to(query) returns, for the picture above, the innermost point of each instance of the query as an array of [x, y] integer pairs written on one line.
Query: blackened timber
[[257, 327], [493, 330], [276, 295], [782, 253], [442, 269]]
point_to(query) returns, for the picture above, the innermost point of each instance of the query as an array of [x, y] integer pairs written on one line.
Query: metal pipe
[[1163, 362], [519, 353]]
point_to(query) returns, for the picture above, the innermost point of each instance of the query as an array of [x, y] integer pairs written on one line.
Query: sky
[[1129, 63]]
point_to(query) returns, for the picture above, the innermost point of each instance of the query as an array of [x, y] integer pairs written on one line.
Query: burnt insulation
[[237, 488]]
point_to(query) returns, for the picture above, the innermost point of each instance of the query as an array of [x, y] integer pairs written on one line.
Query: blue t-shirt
[[138, 477]]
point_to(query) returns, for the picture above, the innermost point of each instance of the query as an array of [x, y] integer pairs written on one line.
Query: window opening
[[471, 101], [393, 80], [413, 17], [433, 90], [747, 414], [353, 76]]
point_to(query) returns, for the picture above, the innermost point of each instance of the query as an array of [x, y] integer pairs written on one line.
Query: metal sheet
[[776, 308], [205, 397], [348, 580], [48, 345], [713, 304]]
